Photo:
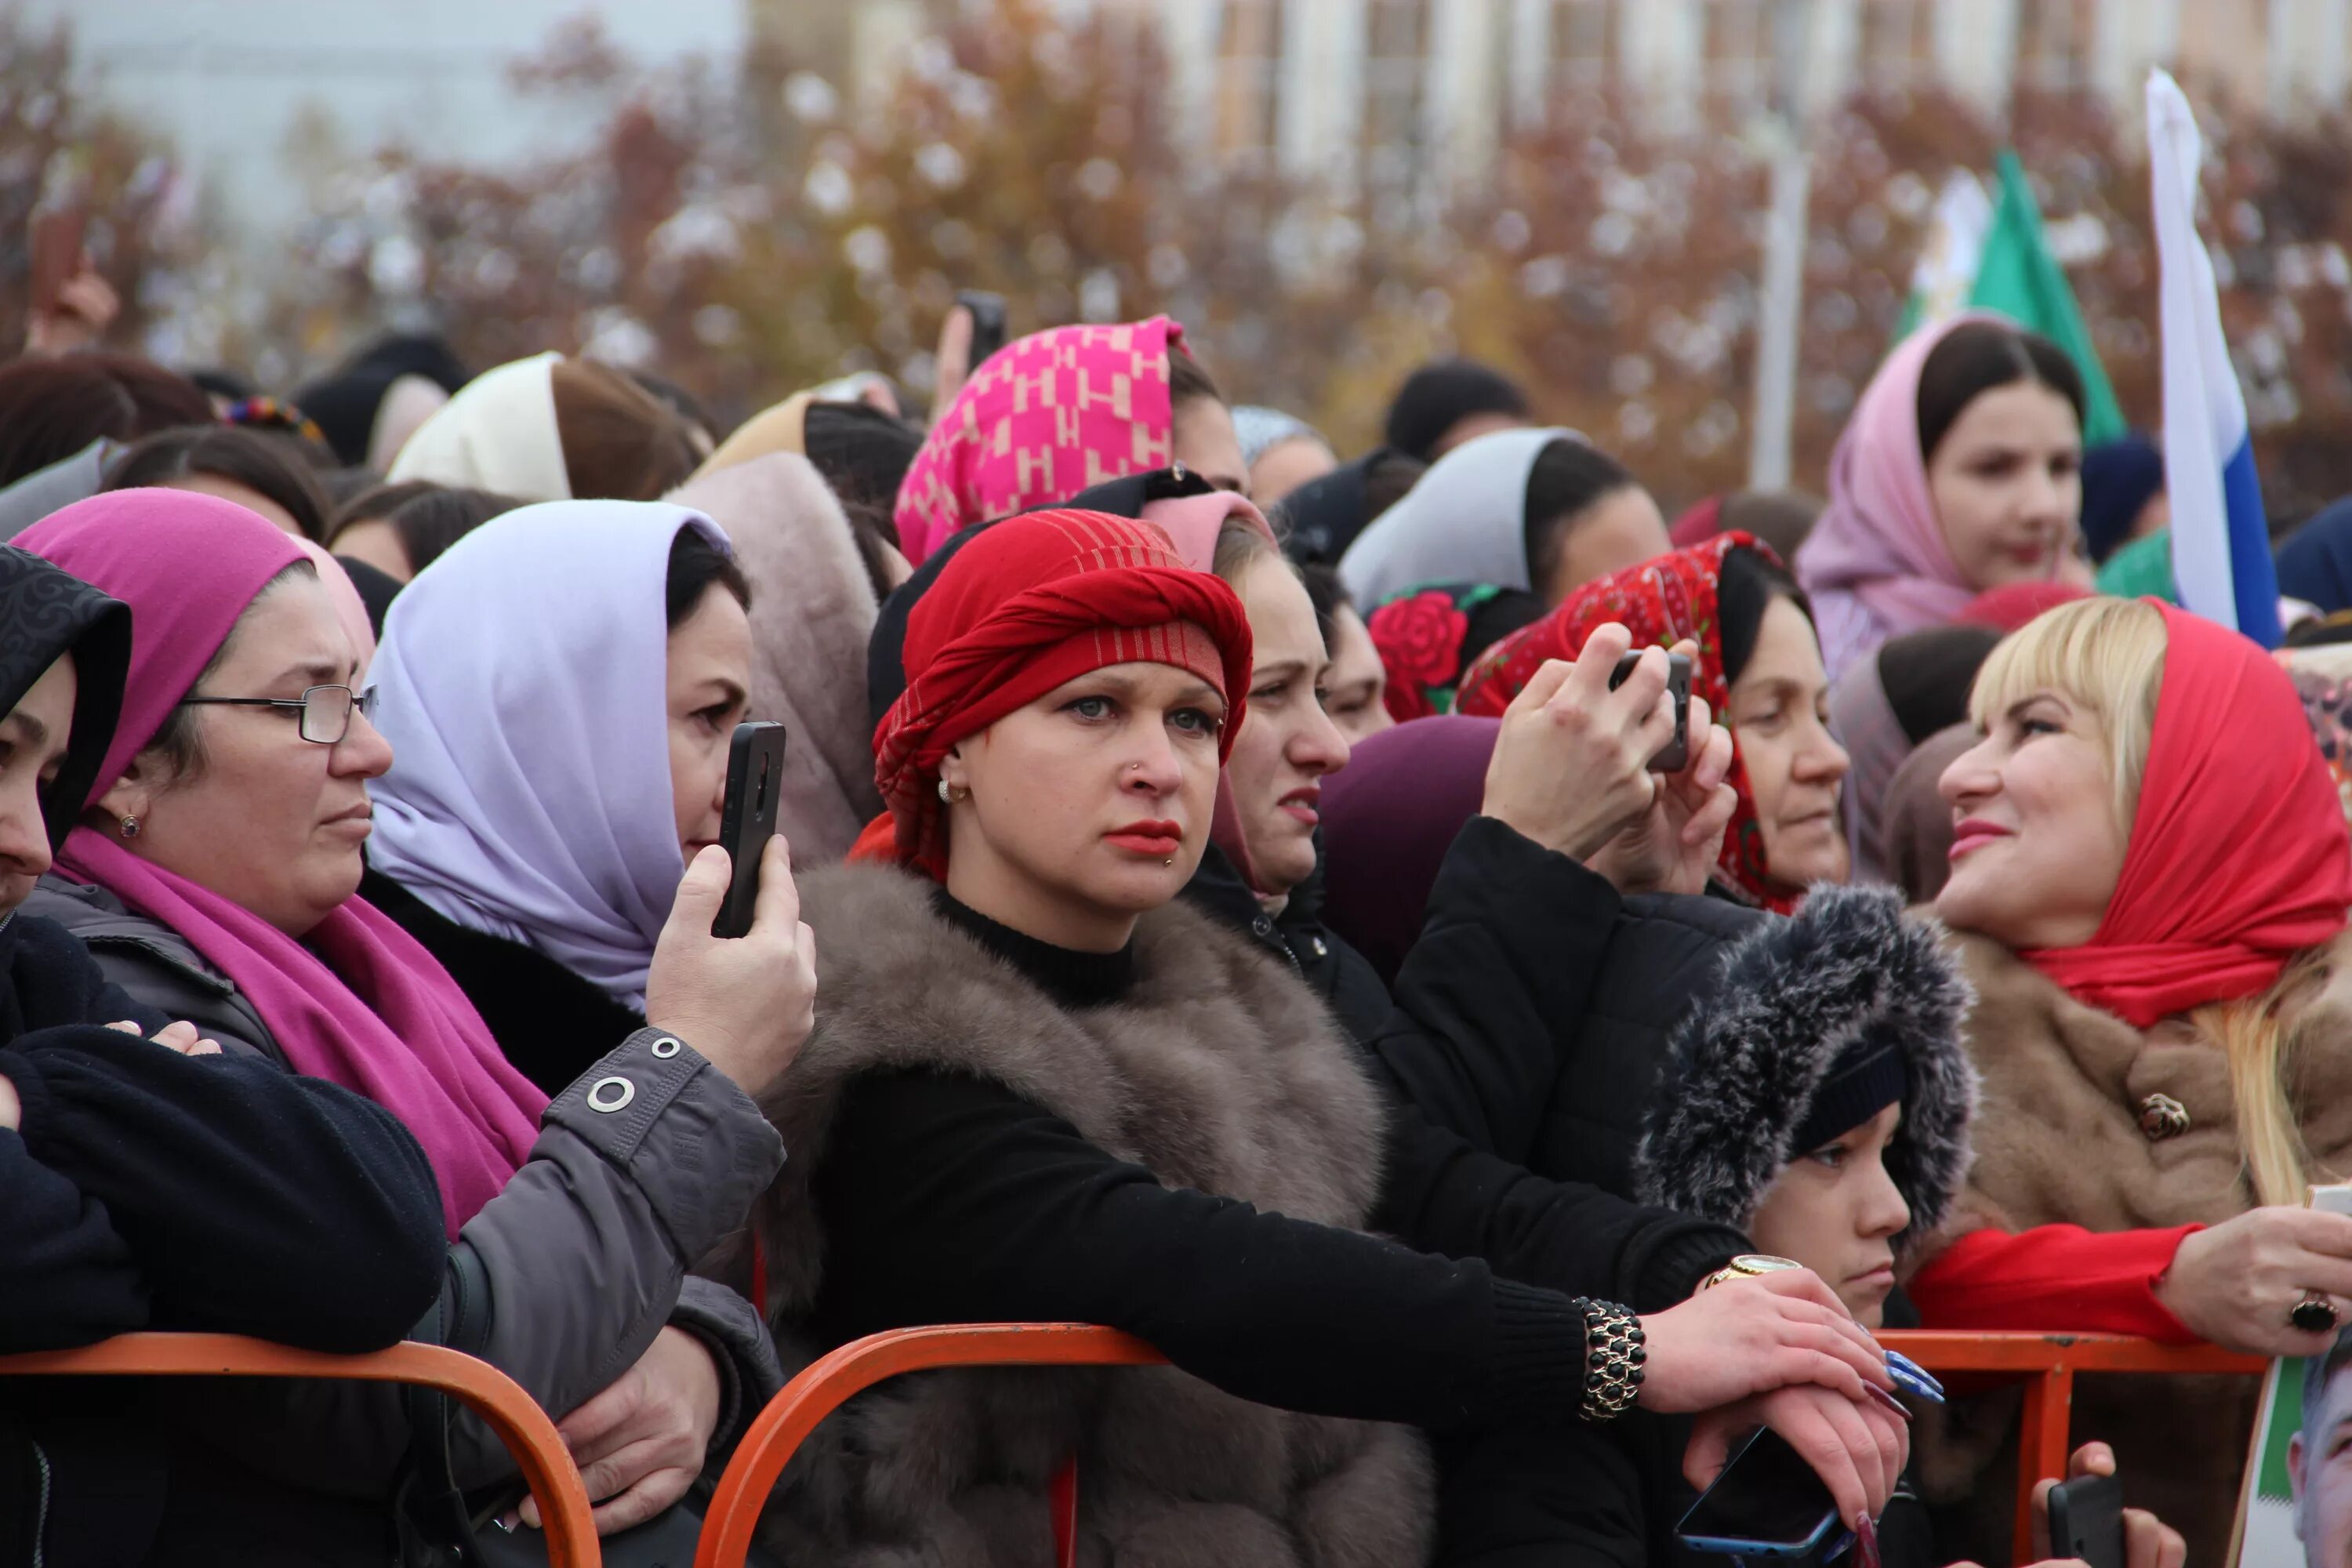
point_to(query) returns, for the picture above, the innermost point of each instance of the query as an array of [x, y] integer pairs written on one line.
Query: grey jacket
[[586, 1251]]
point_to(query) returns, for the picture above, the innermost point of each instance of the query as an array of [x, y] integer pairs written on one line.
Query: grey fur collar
[[1795, 993]]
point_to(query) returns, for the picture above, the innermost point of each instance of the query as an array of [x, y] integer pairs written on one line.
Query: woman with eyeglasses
[[213, 876]]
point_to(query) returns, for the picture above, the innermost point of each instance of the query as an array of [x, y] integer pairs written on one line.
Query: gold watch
[[1748, 1266]]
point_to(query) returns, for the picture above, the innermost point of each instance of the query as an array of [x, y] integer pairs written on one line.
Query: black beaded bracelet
[[1614, 1354]]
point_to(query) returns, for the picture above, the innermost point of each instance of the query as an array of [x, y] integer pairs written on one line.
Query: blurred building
[[1388, 92]]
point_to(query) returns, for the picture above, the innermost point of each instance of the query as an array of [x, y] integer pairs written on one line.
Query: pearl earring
[[129, 827]]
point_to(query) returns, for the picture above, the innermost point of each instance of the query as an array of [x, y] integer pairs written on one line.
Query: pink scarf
[[1876, 566], [1048, 415], [357, 1002]]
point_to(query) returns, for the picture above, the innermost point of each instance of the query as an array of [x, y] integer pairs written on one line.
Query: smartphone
[[1677, 755], [987, 323], [2086, 1520], [755, 780], [1767, 1504]]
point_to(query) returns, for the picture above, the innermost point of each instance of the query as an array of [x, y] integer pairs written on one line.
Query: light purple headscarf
[[522, 681]]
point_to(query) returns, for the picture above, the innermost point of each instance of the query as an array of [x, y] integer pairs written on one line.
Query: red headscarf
[[1662, 601], [2238, 856], [1035, 601]]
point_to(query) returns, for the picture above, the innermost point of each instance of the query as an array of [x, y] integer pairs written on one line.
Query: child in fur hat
[[1821, 1104]]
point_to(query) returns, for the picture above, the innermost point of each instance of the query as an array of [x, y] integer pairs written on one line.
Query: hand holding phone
[[1768, 1502], [755, 768], [2086, 1520], [987, 312], [1676, 757]]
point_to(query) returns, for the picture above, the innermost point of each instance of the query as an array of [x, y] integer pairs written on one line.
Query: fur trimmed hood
[[1795, 994]]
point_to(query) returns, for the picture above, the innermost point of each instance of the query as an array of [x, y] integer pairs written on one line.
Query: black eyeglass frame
[[361, 702]]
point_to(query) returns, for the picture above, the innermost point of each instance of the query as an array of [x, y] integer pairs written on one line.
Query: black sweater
[[1440, 1191], [149, 1189], [948, 1198]]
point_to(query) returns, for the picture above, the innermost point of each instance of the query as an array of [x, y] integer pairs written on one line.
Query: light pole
[[1783, 132]]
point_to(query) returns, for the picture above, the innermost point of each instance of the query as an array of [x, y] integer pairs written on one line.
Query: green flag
[[2017, 275]]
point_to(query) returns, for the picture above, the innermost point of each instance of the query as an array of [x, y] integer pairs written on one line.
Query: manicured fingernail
[[507, 1522], [1865, 1533], [1888, 1400]]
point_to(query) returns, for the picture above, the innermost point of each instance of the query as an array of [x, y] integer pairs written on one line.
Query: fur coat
[[1218, 1072], [2058, 1141]]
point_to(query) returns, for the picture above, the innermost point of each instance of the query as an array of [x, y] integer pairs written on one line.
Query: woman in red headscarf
[[2150, 873], [1755, 659], [1043, 1088]]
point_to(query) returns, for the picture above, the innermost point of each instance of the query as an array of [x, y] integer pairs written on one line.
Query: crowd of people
[[1276, 903]]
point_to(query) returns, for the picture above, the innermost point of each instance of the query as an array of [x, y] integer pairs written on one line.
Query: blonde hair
[[2105, 656]]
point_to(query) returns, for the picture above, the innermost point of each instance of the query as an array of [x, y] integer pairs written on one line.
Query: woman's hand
[[2148, 1542], [179, 1037], [86, 307], [641, 1442], [954, 359], [746, 1003], [1858, 1449], [2235, 1283], [1673, 848], [1751, 1336], [1572, 762]]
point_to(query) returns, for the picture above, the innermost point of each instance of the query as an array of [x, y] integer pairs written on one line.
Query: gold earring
[[129, 826]]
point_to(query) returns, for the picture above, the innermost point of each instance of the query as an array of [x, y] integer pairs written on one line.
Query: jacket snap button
[[621, 1091], [665, 1048], [2162, 1117]]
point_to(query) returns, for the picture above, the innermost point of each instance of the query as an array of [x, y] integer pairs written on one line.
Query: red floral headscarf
[[1035, 601], [1661, 602]]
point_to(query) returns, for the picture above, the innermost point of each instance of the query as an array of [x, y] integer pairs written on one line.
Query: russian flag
[[2221, 544]]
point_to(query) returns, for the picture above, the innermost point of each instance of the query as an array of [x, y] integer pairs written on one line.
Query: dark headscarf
[[45, 612], [2316, 564], [343, 403], [1440, 396], [1883, 707], [2119, 479], [1322, 517], [1388, 818]]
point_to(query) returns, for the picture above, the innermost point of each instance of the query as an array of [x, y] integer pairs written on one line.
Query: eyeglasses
[[326, 710]]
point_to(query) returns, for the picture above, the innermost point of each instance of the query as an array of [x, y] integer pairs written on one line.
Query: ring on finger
[[2313, 1314]]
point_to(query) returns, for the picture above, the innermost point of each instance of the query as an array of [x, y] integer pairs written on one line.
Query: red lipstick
[[1158, 839]]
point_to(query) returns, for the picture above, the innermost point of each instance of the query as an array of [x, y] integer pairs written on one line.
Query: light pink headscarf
[[351, 610], [1048, 415], [1877, 565]]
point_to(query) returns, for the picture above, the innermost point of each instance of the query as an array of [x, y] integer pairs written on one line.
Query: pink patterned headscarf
[[1048, 415], [1877, 565]]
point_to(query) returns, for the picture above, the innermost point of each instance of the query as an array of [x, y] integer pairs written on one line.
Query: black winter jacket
[[146, 1189], [1464, 1045]]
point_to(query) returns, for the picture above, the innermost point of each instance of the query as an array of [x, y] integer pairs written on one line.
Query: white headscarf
[[523, 683], [497, 434], [1465, 521]]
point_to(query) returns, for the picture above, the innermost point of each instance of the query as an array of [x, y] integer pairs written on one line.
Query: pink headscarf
[[1048, 415], [1876, 566], [356, 1001]]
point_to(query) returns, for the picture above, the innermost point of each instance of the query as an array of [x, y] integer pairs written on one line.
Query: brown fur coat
[[1219, 1072], [2058, 1142]]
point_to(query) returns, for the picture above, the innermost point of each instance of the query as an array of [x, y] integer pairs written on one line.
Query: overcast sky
[[227, 79]]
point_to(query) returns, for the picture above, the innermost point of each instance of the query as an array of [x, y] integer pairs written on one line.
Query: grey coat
[[586, 1251]]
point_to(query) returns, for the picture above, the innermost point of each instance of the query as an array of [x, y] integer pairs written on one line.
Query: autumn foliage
[[749, 231]]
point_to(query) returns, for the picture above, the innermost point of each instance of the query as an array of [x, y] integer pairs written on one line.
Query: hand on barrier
[[641, 1442]]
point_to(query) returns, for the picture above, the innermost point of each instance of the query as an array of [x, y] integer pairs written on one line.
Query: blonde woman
[[2150, 874]]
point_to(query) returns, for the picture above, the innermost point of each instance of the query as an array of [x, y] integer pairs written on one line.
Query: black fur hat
[[1845, 979]]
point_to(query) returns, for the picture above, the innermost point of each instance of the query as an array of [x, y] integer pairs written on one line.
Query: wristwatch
[[1748, 1266]]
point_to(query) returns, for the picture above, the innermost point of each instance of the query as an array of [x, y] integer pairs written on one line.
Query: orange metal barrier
[[516, 1419], [827, 1384], [2047, 1364]]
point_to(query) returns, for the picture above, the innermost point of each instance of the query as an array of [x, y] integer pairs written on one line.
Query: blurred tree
[[57, 149]]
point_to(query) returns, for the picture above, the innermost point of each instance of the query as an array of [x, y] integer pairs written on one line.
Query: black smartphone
[[2086, 1520], [1767, 1504], [987, 322], [755, 778], [1677, 756]]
